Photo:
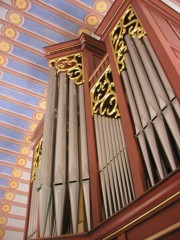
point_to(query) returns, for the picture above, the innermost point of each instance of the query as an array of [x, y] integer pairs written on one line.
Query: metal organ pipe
[[45, 204], [138, 126], [100, 164], [73, 164], [84, 156], [120, 198], [105, 169], [60, 166], [158, 90], [108, 161], [112, 162], [144, 115], [162, 75], [127, 183], [118, 153], [151, 102]]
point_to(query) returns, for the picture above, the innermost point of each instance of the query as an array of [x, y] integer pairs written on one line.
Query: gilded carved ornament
[[72, 65], [103, 96], [128, 24], [37, 158]]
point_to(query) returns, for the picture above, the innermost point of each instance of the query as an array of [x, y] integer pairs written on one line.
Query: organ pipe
[[105, 169], [47, 160], [151, 102], [112, 162], [138, 126], [84, 155], [73, 164], [158, 90], [60, 166], [143, 112], [108, 161], [100, 164]]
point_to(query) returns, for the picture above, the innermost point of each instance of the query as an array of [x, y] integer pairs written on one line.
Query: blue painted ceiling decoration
[[26, 26]]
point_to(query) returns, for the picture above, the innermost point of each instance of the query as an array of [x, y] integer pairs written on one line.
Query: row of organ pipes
[[62, 180], [154, 108], [114, 170]]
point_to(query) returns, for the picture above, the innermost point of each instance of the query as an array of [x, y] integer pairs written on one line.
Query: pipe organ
[[107, 163]]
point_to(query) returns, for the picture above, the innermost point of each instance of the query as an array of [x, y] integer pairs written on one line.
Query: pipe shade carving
[[103, 96], [72, 65], [128, 24]]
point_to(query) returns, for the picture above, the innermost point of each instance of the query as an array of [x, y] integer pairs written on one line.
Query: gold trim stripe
[[143, 215], [164, 231]]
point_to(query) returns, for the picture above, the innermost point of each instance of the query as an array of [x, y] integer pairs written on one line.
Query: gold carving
[[103, 96], [72, 65], [128, 24], [37, 158]]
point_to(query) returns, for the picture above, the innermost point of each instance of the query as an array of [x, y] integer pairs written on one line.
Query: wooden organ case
[[106, 155]]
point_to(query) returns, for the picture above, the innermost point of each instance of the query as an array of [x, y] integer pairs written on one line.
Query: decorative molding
[[37, 158], [128, 24], [103, 96], [72, 65], [164, 231], [146, 214]]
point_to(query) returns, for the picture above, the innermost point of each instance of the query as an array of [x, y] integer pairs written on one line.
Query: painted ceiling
[[26, 26]]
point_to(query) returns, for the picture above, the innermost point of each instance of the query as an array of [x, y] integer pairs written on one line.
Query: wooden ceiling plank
[[12, 127], [40, 21], [63, 14], [24, 61], [19, 89], [21, 75], [12, 140], [26, 32], [18, 116], [23, 104], [8, 164], [15, 178], [13, 203], [14, 190]]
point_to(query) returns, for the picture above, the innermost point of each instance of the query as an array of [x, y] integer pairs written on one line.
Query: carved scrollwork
[[103, 96], [37, 158], [72, 65], [128, 24]]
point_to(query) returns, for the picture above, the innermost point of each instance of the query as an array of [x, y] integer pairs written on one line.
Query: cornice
[[74, 46]]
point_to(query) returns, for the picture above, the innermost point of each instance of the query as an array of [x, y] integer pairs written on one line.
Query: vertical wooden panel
[[96, 205], [121, 237]]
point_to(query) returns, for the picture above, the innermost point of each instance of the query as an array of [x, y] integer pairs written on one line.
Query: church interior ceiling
[[26, 26]]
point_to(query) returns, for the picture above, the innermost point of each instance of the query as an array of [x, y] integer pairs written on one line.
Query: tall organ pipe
[[84, 156], [121, 200], [144, 115], [158, 90], [60, 154], [108, 161], [123, 160], [100, 164], [46, 221], [105, 169], [118, 152], [138, 126], [151, 101], [162, 75], [73, 167], [112, 161]]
